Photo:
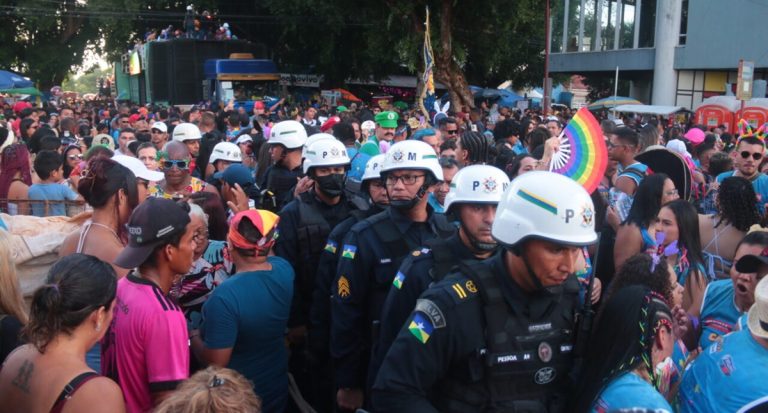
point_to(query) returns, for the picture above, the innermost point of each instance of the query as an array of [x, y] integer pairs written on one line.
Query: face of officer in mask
[[329, 180]]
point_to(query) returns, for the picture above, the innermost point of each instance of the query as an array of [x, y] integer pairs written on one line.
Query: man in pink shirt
[[146, 350]]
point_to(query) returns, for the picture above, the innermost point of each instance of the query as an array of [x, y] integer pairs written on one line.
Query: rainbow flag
[[582, 155]]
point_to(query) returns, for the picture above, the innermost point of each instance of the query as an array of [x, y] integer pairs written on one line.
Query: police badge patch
[[489, 185], [545, 375], [545, 352]]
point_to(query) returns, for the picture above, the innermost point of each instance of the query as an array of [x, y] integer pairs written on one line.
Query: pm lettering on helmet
[[411, 156], [569, 213]]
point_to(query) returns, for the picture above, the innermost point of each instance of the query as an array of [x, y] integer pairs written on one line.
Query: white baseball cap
[[138, 168], [243, 139], [160, 126]]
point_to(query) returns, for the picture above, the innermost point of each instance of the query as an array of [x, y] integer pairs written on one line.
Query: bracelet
[[694, 321]]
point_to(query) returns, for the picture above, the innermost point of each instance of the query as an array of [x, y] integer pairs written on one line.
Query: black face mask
[[331, 185]]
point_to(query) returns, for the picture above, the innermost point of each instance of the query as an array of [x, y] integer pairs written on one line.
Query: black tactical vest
[[525, 364]]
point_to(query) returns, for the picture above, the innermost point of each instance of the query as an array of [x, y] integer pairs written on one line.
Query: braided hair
[[737, 203], [623, 341], [478, 148]]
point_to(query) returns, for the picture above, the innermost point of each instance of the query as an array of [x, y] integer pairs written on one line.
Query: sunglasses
[[73, 157], [181, 164], [756, 156]]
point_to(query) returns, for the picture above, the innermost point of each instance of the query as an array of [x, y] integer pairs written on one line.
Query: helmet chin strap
[[520, 252], [476, 244], [410, 203]]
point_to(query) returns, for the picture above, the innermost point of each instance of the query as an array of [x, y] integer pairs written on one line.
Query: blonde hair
[[11, 300], [213, 390]]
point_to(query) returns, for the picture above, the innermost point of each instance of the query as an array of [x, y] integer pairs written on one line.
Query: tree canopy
[[482, 42]]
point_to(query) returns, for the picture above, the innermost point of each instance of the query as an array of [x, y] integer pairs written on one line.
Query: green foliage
[[491, 41], [88, 82]]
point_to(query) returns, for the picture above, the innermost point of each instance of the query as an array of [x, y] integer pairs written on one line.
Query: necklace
[[108, 229]]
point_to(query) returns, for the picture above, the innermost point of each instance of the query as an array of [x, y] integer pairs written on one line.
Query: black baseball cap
[[751, 263], [153, 223]]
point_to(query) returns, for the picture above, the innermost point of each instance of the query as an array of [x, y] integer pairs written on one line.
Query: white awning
[[650, 109]]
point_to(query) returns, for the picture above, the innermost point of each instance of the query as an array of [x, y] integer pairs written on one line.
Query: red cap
[[21, 105], [133, 118], [329, 123], [258, 104]]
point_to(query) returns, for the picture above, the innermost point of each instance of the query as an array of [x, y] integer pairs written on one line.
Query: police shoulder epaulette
[[460, 288]]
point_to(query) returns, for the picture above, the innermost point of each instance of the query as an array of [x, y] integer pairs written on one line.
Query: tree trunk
[[447, 71]]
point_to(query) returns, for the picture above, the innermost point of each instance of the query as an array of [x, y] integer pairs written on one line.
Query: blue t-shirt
[[50, 192], [726, 376], [760, 184], [718, 312], [249, 313], [629, 391]]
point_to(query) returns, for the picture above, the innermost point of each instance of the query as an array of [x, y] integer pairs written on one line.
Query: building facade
[[673, 52]]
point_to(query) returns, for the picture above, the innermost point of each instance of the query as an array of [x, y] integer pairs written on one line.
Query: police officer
[[286, 140], [320, 313], [498, 335], [475, 192], [304, 227], [370, 256]]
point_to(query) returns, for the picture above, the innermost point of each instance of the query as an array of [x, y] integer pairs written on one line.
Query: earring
[[98, 327]]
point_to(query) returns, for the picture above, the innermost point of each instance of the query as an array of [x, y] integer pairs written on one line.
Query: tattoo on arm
[[22, 377]]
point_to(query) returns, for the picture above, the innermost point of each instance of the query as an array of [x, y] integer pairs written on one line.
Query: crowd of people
[[323, 259]]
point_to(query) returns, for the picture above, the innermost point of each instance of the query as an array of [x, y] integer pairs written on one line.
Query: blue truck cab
[[242, 78]]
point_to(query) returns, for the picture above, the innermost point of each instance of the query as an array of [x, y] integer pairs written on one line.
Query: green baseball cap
[[387, 119], [341, 109]]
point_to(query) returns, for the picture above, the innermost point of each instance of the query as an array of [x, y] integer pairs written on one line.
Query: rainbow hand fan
[[582, 155]]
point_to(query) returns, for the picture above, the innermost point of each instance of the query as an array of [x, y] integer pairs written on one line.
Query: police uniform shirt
[[416, 274], [365, 272], [280, 181], [288, 247], [439, 360], [320, 312]]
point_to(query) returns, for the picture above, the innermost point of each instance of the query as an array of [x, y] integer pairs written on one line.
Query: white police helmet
[[547, 206], [226, 151], [288, 133], [186, 132], [326, 152], [412, 155], [373, 167], [477, 184], [314, 138]]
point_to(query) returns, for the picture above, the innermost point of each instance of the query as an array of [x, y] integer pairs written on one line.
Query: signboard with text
[[746, 75]]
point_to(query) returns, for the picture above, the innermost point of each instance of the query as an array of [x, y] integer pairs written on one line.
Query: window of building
[[647, 23], [557, 23], [590, 25], [627, 32], [684, 23], [607, 23], [574, 13]]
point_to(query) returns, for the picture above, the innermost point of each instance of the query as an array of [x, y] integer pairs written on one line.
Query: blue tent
[[12, 80], [507, 98]]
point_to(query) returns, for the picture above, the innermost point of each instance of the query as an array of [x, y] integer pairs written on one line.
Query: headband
[[264, 221], [745, 131]]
